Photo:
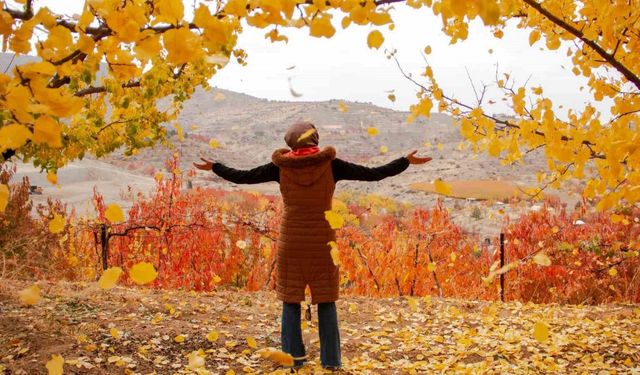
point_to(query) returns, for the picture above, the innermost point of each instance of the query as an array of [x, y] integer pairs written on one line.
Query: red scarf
[[303, 151]]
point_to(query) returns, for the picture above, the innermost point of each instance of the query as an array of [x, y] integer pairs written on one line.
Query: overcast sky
[[343, 67]]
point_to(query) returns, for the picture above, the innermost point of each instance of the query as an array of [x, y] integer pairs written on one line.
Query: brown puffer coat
[[307, 186]]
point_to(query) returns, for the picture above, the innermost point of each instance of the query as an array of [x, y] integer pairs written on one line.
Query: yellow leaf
[[56, 225], [336, 221], [216, 279], [47, 130], [182, 45], [392, 97], [384, 149], [13, 136], [4, 197], [306, 134], [542, 259], [343, 107], [321, 27], [241, 244], [251, 342], [281, 358], [213, 336], [375, 39], [30, 295], [55, 365], [534, 37], [115, 333], [440, 146], [196, 360], [143, 273], [158, 176], [555, 229], [372, 131], [335, 254], [52, 177], [431, 267], [427, 50], [615, 218], [413, 303], [353, 308], [613, 272], [114, 213], [442, 187], [170, 11], [230, 372], [453, 257], [541, 331], [109, 278], [179, 339]]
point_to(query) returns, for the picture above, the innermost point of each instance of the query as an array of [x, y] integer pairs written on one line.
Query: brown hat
[[302, 134]]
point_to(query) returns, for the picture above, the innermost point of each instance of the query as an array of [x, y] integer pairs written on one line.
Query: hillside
[[134, 331]]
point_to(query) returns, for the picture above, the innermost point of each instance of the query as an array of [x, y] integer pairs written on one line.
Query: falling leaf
[[219, 97], [555, 229], [612, 271], [241, 244], [213, 143], [342, 107], [158, 176], [335, 255], [293, 92], [353, 308], [52, 177], [336, 221], [542, 259], [31, 295], [277, 356], [213, 336], [431, 267], [427, 50], [541, 331], [251, 342], [216, 279], [384, 149], [55, 365], [440, 146], [109, 278], [56, 225], [4, 197], [114, 213], [413, 303], [196, 360], [179, 339], [442, 187], [291, 67], [143, 273], [372, 131], [375, 39], [306, 134], [391, 97]]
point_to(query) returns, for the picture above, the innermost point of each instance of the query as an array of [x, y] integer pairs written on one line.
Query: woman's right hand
[[413, 159], [205, 166]]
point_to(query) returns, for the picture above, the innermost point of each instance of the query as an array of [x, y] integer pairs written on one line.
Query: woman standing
[[307, 176]]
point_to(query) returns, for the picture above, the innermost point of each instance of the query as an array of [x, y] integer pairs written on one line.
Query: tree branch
[[628, 74]]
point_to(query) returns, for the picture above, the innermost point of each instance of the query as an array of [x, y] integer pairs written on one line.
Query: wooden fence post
[[104, 241], [502, 265]]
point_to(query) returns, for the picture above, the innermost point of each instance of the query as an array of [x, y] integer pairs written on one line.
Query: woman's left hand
[[413, 159]]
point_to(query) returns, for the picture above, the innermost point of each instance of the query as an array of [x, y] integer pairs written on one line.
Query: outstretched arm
[[264, 173], [343, 170]]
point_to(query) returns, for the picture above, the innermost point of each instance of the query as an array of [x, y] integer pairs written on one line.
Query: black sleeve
[[264, 173], [343, 170], [8, 154]]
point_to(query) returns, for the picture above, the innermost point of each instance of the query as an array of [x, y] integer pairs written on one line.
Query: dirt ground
[[140, 331]]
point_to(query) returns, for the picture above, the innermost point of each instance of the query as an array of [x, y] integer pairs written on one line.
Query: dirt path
[[128, 330]]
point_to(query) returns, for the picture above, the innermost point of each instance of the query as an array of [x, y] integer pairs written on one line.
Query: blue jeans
[[291, 335]]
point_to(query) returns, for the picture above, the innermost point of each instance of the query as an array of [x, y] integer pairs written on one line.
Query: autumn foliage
[[202, 239]]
